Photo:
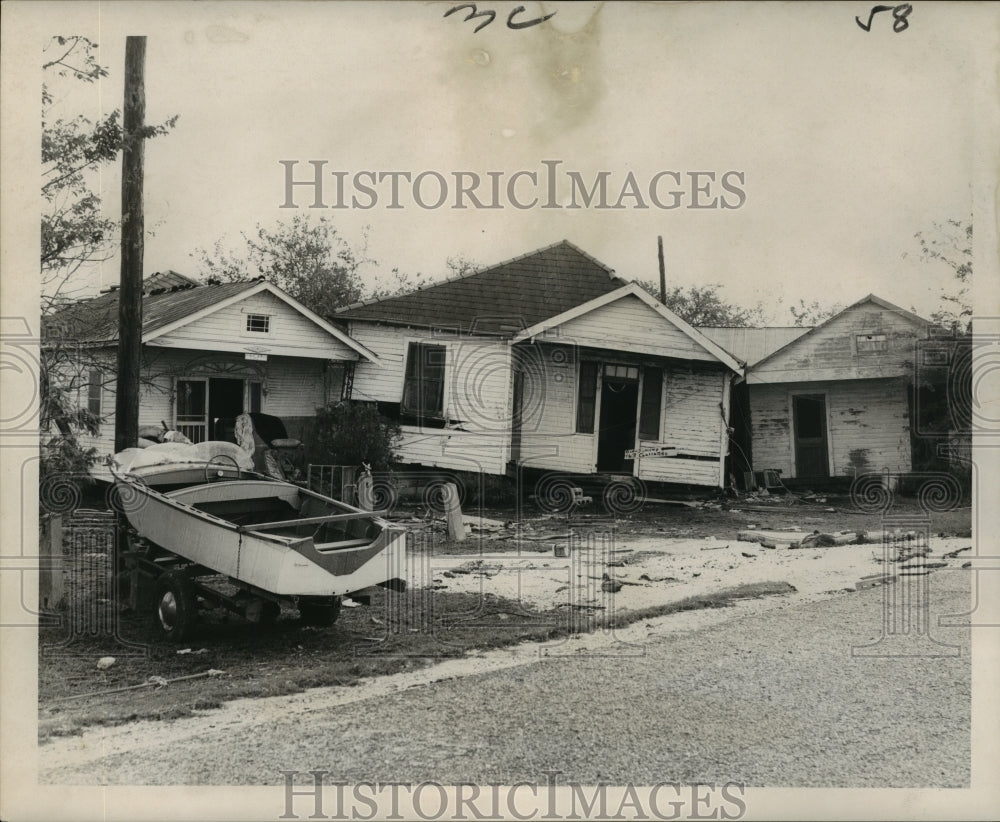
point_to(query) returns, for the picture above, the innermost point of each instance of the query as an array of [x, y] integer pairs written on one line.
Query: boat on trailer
[[278, 543]]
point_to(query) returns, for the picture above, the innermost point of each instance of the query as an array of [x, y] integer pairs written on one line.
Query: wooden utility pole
[[663, 271], [130, 290]]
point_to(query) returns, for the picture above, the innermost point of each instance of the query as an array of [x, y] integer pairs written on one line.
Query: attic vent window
[[872, 342], [259, 323]]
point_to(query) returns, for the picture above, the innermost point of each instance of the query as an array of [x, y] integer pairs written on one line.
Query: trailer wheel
[[175, 607], [320, 614]]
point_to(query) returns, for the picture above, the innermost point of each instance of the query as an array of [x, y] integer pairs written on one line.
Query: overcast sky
[[848, 142]]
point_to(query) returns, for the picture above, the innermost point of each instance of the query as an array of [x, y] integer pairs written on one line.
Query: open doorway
[[619, 404], [225, 404]]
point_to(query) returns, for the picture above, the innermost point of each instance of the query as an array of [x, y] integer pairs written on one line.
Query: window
[[652, 395], [872, 342], [586, 398], [621, 372], [423, 386], [94, 380], [259, 323]]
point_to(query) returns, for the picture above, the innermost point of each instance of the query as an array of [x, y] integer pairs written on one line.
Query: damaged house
[[547, 362], [209, 352], [836, 400]]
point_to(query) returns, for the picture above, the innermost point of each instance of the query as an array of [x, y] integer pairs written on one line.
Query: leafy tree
[[74, 231], [950, 242], [813, 313], [74, 234], [309, 260], [703, 305]]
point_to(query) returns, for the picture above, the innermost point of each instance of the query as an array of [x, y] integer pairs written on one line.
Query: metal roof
[[752, 344]]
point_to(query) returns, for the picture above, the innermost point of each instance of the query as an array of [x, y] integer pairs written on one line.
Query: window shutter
[[652, 399], [586, 398]]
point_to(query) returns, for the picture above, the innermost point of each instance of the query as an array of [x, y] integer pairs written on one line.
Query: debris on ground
[[105, 662], [954, 554], [828, 539], [610, 585]]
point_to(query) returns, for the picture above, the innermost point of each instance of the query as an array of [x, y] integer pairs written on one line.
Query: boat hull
[[283, 564]]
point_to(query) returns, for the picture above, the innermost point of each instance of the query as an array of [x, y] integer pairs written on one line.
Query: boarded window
[[259, 323], [423, 388], [586, 398], [94, 380], [652, 396], [872, 342]]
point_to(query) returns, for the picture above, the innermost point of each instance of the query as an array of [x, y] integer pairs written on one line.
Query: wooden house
[[830, 401], [549, 362], [209, 352]]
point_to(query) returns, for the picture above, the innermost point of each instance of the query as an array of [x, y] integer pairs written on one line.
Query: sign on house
[[651, 451]]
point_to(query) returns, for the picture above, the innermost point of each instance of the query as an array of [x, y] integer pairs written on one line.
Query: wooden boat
[[278, 542]]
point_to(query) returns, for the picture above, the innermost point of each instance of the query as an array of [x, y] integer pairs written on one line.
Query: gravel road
[[767, 693]]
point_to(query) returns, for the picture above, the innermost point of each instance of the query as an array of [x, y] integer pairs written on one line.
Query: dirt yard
[[537, 577]]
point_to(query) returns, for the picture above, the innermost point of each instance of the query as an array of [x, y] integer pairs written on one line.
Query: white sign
[[255, 357], [651, 451]]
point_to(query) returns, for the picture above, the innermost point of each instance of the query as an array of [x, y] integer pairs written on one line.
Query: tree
[[74, 231], [813, 313], [309, 260], [950, 242], [703, 305], [74, 234]]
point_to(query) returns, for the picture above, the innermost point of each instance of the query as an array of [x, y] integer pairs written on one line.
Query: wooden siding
[[628, 324], [690, 418], [457, 450], [831, 351], [868, 426], [477, 374], [290, 334], [294, 387]]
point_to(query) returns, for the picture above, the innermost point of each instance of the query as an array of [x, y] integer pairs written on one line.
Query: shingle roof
[[752, 344], [96, 320], [501, 299]]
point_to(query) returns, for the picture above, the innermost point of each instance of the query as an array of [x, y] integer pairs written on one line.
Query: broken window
[[586, 398], [652, 395], [872, 342], [259, 323], [423, 386]]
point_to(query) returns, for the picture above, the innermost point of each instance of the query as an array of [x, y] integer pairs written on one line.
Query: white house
[[209, 352], [551, 362]]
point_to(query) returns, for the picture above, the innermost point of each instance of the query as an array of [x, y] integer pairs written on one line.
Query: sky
[[847, 143]]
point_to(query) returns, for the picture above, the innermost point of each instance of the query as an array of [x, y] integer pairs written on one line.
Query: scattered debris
[[714, 547], [610, 586], [158, 681], [105, 662], [748, 555], [954, 554], [790, 537]]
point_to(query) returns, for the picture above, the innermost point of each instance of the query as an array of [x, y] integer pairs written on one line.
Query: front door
[[619, 403], [809, 412]]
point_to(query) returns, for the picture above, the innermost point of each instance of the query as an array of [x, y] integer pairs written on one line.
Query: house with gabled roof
[[835, 400], [551, 362], [209, 352]]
